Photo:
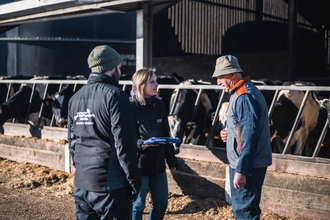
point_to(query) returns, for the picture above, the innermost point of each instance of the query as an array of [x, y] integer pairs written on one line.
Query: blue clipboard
[[161, 140]]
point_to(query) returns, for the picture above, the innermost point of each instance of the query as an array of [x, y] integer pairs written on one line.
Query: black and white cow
[[284, 114], [7, 90], [165, 94], [223, 115], [188, 121], [58, 102], [214, 139], [26, 105], [22, 107], [315, 134]]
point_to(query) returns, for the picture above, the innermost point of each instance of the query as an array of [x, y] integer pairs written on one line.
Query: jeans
[[112, 205], [157, 185], [246, 200]]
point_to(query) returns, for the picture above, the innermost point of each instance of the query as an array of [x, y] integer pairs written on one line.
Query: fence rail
[[125, 85]]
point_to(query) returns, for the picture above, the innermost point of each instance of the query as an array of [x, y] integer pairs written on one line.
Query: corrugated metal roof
[[20, 12]]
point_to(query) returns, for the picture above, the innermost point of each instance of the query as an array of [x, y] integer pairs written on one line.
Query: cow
[[58, 102], [165, 94], [186, 120], [284, 115], [7, 90], [18, 105], [223, 115], [27, 103], [323, 102], [321, 129], [214, 139]]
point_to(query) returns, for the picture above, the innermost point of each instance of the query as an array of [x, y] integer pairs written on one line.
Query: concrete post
[[144, 19]]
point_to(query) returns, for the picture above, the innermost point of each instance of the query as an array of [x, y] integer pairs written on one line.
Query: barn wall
[[256, 65], [294, 186], [212, 27], [61, 47], [203, 28]]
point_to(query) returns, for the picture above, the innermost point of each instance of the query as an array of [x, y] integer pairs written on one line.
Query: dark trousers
[[246, 200], [112, 205]]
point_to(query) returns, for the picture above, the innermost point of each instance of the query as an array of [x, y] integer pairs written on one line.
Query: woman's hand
[[173, 169], [148, 145]]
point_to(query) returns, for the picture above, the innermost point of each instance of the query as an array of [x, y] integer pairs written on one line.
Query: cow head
[[58, 102], [59, 106], [185, 131], [188, 121], [190, 133], [323, 102], [220, 125], [181, 112], [175, 128], [223, 115]]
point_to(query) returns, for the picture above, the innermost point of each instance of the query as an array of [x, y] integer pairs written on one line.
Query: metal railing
[[200, 88]]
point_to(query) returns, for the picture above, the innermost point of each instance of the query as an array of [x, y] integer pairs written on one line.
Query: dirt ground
[[30, 191]]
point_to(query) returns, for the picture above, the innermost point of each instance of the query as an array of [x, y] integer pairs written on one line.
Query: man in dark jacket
[[102, 142]]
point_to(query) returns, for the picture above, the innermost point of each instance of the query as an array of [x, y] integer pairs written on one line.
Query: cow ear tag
[[46, 102]]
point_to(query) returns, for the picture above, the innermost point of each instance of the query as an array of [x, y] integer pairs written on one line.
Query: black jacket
[[151, 121], [101, 136]]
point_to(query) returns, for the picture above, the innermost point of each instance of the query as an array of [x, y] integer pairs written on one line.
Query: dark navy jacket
[[151, 121], [101, 136]]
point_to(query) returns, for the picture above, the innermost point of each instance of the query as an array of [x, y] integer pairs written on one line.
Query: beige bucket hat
[[225, 65]]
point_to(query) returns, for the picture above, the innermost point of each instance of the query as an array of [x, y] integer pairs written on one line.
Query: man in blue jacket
[[247, 135], [102, 142]]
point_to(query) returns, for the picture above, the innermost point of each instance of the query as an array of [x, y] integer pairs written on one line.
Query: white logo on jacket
[[84, 117]]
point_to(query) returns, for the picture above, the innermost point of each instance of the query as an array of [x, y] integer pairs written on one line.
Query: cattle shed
[[294, 185], [275, 39]]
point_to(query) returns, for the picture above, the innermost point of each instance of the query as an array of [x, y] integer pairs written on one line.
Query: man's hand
[[135, 192], [239, 180], [223, 135]]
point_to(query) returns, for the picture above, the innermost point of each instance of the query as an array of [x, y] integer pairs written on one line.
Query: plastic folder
[[161, 140]]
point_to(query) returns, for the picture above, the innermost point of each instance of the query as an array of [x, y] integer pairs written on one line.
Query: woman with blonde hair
[[150, 117]]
